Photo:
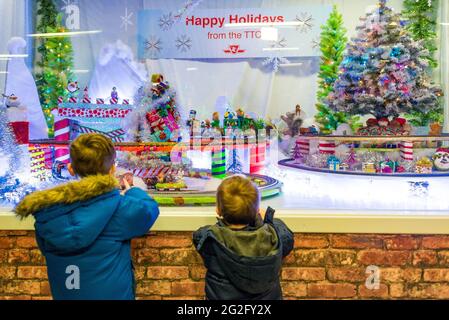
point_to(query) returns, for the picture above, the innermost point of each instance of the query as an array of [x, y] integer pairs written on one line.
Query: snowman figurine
[[441, 159]]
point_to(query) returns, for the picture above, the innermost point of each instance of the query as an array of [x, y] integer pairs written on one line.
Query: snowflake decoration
[[279, 44], [126, 19], [183, 43], [305, 22], [166, 21], [316, 44], [275, 62], [153, 45]]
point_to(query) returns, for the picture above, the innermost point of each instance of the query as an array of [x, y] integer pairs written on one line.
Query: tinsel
[[11, 188]]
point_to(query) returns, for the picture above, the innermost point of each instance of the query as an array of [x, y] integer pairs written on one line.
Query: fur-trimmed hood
[[66, 194]]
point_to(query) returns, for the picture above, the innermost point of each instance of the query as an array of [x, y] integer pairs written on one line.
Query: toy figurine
[[441, 159], [114, 93], [215, 120], [72, 87]]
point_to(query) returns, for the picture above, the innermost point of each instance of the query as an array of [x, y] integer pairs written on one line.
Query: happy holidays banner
[[203, 34]]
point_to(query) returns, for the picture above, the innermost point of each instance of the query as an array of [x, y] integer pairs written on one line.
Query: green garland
[[332, 44], [422, 25], [55, 60]]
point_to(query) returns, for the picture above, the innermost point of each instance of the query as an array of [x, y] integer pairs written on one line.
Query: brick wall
[[322, 266]]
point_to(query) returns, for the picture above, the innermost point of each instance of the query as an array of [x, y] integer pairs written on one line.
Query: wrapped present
[[388, 166], [113, 101], [73, 100], [424, 166], [125, 101], [369, 167], [100, 101], [170, 122], [86, 100], [333, 163], [60, 100]]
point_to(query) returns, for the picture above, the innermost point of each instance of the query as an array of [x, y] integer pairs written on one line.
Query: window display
[[192, 93]]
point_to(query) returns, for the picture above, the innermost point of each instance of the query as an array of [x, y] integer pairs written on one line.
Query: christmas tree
[[332, 44], [55, 59], [297, 154], [422, 23], [384, 71]]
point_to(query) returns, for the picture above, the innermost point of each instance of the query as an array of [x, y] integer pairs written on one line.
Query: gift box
[[424, 166], [21, 130], [100, 101], [333, 163]]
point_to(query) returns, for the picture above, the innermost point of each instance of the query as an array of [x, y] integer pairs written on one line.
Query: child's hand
[[126, 186]]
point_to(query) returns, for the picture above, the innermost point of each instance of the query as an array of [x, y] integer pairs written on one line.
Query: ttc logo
[[234, 49]]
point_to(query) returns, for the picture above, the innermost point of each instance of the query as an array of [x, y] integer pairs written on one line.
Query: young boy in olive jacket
[[84, 228], [243, 252]]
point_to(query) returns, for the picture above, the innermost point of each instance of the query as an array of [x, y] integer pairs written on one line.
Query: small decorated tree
[[422, 24], [332, 44], [55, 59], [384, 71]]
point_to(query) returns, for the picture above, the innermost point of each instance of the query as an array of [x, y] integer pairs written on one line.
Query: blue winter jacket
[[84, 230]]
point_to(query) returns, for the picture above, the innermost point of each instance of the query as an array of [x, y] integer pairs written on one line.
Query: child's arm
[[140, 212], [285, 236]]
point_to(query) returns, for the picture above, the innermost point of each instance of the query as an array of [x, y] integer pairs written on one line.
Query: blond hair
[[92, 154], [238, 200]]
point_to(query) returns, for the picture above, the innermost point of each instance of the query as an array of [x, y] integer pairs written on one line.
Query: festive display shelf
[[290, 163], [271, 187], [376, 138]]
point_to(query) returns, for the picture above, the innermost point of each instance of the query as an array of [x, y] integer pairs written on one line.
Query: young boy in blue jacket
[[243, 252], [84, 228]]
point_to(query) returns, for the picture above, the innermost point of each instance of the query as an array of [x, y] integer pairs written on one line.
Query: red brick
[[18, 256], [180, 257], [436, 275], [306, 274], [180, 298], [384, 258], [7, 242], [168, 241], [331, 290], [400, 275], [153, 288], [290, 259], [149, 298], [140, 272], [36, 257], [435, 242], [311, 258], [7, 272], [423, 258], [23, 287], [294, 289], [26, 242], [430, 291], [18, 297], [382, 292], [147, 256], [3, 255], [402, 243], [443, 258], [138, 243], [167, 273], [311, 241], [397, 290], [9, 233], [349, 274], [356, 241], [45, 288], [187, 288], [45, 298], [32, 272], [198, 272], [341, 257]]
